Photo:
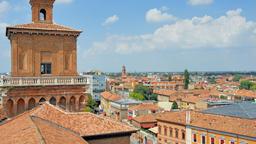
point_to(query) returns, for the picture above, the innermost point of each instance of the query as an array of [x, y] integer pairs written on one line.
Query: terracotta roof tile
[[44, 26], [85, 124], [110, 96], [49, 124], [245, 127], [145, 106], [146, 118]]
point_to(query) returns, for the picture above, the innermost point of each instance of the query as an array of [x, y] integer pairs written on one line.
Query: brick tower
[[43, 64]]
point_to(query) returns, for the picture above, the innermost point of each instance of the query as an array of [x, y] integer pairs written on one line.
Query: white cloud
[[228, 31], [110, 20], [4, 7], [158, 15], [64, 1], [200, 2]]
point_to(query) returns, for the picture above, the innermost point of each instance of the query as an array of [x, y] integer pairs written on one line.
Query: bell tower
[[42, 11]]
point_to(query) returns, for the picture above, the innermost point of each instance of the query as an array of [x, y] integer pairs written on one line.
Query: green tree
[[170, 78], [91, 104], [212, 80], [186, 79], [246, 84], [253, 87], [137, 96], [142, 92], [174, 105], [237, 78]]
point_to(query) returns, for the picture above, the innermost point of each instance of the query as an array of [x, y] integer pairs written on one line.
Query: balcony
[[42, 81]]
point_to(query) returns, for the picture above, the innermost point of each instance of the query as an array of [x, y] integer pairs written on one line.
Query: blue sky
[[150, 35]]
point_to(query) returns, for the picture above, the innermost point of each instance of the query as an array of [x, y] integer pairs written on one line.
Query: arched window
[[42, 15], [53, 101]]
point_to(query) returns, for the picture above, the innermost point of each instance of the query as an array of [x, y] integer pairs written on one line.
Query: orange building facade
[[190, 127]]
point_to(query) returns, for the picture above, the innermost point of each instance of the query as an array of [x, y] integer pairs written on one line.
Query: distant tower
[[124, 75]]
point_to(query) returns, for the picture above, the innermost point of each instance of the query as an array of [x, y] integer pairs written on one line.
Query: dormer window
[[42, 15]]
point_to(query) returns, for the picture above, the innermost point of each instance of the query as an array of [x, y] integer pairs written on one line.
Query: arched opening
[[42, 15], [20, 106], [53, 101], [62, 102], [72, 104], [9, 106], [82, 103], [42, 100], [31, 103]]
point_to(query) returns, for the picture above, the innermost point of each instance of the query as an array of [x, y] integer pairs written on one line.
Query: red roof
[[110, 96], [44, 26], [49, 124]]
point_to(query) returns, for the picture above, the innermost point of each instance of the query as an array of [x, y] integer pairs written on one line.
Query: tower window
[[46, 68], [42, 15]]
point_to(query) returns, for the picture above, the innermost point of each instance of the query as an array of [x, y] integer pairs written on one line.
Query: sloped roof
[[110, 96], [240, 126], [25, 129], [242, 110], [85, 124], [44, 26], [145, 106], [49, 124], [149, 118]]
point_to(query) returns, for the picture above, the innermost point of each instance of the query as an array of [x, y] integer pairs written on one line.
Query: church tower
[[124, 75]]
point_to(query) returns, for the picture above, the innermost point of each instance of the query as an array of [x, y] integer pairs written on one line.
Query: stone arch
[[62, 102], [53, 101], [42, 100], [10, 108], [82, 103], [31, 103], [20, 106], [72, 104], [42, 15]]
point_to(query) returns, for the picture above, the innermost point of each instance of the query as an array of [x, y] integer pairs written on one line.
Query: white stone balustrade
[[42, 81]]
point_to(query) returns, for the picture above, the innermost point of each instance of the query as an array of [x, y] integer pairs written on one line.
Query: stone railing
[[42, 81]]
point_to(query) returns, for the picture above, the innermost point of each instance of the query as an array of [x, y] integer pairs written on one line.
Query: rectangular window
[[222, 141], [165, 131], [46, 68], [194, 138], [177, 133], [212, 140], [203, 139], [170, 132], [232, 142], [159, 129], [183, 135]]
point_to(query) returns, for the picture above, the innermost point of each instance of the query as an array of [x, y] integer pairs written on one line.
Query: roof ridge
[[55, 124], [42, 140]]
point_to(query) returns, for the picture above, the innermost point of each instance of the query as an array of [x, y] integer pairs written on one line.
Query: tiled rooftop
[[44, 26], [245, 127], [110, 96], [145, 106], [149, 118], [50, 124]]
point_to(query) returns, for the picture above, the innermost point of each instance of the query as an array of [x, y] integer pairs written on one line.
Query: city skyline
[[209, 35]]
